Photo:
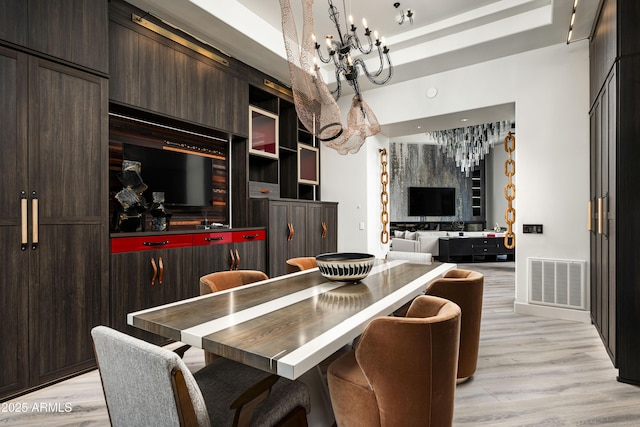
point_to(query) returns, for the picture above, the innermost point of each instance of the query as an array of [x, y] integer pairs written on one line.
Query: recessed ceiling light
[[432, 92]]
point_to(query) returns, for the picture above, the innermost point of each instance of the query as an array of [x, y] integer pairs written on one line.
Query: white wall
[[550, 89]]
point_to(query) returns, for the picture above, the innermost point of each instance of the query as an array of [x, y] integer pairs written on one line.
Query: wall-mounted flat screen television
[[432, 201], [185, 179]]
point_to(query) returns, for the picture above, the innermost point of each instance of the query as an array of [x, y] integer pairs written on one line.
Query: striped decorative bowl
[[345, 266]]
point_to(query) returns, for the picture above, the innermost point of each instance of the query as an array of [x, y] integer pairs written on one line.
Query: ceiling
[[445, 34]]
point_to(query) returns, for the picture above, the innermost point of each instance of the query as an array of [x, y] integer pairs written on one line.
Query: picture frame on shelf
[[308, 164], [263, 133]]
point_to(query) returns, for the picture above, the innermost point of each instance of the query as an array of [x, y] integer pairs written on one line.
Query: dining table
[[289, 324]]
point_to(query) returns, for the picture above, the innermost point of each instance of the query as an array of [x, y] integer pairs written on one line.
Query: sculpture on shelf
[[161, 216], [130, 203]]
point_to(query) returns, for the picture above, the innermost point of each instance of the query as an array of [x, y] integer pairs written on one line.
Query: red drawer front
[[217, 238], [146, 243], [249, 236]]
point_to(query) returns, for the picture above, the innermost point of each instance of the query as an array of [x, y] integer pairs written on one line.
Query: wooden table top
[[288, 324]]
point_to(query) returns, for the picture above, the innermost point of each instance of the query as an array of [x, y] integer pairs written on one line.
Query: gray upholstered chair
[[403, 370], [300, 264], [148, 385]]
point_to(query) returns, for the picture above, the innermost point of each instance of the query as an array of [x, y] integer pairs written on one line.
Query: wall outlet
[[361, 227]]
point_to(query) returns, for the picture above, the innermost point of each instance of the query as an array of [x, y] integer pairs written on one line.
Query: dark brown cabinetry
[[151, 72], [237, 250], [148, 270], [615, 205], [53, 121], [59, 29], [159, 272], [295, 228]]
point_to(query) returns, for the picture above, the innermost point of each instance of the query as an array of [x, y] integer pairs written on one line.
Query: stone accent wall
[[423, 165]]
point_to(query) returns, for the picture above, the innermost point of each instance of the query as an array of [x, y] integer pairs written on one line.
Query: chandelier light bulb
[[364, 23], [375, 35], [351, 19], [313, 37], [329, 39]]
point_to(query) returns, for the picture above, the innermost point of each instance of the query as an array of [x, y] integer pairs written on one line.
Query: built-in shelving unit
[[476, 190], [280, 176]]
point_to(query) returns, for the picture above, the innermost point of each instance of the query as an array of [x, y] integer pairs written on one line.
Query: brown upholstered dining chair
[[222, 280], [301, 263], [148, 385], [403, 370], [465, 288]]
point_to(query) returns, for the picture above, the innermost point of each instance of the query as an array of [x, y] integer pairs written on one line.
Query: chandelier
[[315, 104], [468, 145], [341, 49]]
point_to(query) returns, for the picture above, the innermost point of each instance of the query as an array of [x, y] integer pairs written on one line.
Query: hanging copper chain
[[510, 191], [384, 197]]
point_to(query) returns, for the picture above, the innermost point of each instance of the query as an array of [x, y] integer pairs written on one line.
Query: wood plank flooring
[[532, 371]]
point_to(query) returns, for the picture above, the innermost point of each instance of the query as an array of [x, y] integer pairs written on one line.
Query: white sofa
[[426, 241]]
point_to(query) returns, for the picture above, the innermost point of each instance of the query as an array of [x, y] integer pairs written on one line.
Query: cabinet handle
[[161, 265], [34, 223], [290, 235], [251, 237], [324, 229], [166, 242], [237, 260], [589, 215], [23, 221], [600, 220], [213, 239], [155, 271], [293, 231], [233, 259]]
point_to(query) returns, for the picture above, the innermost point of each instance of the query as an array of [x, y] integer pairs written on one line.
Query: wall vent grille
[[560, 283]]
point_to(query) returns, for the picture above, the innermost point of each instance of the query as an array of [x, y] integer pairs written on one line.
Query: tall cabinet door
[[323, 221], [603, 154], [68, 163], [279, 237], [14, 288]]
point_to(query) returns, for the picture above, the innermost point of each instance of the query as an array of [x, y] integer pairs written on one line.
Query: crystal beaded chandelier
[[468, 145]]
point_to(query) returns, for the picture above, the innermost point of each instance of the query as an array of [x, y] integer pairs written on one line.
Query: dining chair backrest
[[139, 382], [403, 370], [222, 280], [465, 288], [300, 264]]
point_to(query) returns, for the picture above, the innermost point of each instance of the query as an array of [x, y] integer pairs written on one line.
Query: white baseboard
[[582, 316]]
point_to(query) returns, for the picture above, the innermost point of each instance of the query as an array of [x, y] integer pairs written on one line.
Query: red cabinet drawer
[[215, 238], [249, 236], [142, 243]]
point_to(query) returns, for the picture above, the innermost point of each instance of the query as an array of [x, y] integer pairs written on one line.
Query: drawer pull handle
[[155, 271], [35, 221], [324, 229], [165, 242], [233, 260], [161, 265], [237, 260], [213, 239], [251, 237], [23, 220]]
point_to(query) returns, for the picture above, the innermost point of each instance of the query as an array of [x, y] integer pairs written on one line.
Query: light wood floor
[[532, 371]]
